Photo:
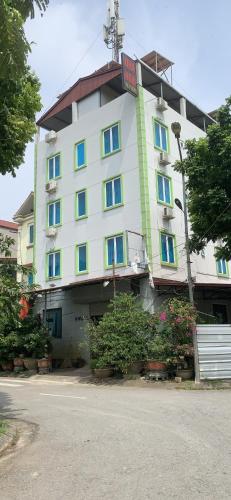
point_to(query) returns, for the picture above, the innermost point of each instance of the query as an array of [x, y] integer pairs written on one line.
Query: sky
[[68, 43]]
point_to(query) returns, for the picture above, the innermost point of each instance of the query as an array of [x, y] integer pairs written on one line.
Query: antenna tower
[[114, 30]]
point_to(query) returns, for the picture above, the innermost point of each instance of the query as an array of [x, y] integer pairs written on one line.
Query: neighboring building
[[25, 219], [104, 202], [10, 229]]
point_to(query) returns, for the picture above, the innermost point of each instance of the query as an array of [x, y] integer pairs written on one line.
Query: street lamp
[[176, 129]]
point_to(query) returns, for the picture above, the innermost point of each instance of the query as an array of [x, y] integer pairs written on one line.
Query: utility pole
[[114, 30]]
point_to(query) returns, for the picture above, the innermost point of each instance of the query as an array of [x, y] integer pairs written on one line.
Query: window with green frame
[[54, 264], [111, 139], [54, 213], [30, 278], [222, 267], [81, 204], [30, 234], [115, 250], [54, 167], [164, 191], [113, 192], [168, 252], [160, 136], [80, 155], [81, 258]]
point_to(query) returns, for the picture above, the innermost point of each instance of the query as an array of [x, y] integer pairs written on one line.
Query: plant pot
[[185, 373], [136, 367], [103, 372], [155, 365], [18, 362], [7, 366], [44, 363], [30, 363]]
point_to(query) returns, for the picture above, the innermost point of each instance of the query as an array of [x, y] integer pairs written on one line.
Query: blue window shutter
[[164, 256], [160, 188], [171, 250], [167, 190], [115, 137], [51, 214], [51, 169], [110, 251], [82, 258], [57, 166], [81, 204], [31, 234], [117, 191], [224, 270], [57, 264], [107, 142], [80, 154], [50, 265], [109, 199], [164, 138], [30, 278], [119, 250], [157, 134], [57, 212]]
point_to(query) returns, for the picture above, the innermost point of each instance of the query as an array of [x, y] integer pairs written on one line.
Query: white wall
[[99, 223]]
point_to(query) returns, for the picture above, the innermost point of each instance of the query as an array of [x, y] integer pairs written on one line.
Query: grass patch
[[3, 427], [209, 385]]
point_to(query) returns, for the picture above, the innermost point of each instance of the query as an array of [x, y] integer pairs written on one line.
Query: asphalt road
[[117, 443]]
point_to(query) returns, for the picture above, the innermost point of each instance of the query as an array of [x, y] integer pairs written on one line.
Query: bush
[[175, 321], [121, 336]]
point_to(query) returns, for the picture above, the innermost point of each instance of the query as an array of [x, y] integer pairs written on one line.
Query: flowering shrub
[[176, 321]]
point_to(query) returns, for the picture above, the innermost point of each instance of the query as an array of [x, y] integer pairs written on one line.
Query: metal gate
[[214, 350]]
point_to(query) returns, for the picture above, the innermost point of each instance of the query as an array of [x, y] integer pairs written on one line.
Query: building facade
[[10, 229], [25, 220], [105, 216]]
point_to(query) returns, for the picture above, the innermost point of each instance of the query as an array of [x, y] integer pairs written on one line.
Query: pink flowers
[[178, 320], [163, 316]]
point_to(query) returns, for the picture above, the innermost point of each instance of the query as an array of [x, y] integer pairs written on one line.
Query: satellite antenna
[[114, 30]]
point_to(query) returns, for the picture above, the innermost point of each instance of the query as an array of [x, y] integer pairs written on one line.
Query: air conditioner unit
[[168, 213], [161, 105], [51, 186], [51, 232], [51, 137], [164, 159]]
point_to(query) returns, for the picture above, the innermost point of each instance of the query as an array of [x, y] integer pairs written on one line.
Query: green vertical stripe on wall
[[35, 193], [143, 171]]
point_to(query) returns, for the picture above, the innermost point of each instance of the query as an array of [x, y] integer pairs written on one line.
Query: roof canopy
[[27, 208]]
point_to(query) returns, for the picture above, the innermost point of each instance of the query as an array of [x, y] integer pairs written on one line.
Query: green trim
[[163, 263], [77, 272], [103, 155], [143, 172], [158, 172], [157, 120], [52, 203], [85, 216], [105, 208], [76, 168], [124, 264], [60, 166], [48, 278], [35, 198], [221, 275]]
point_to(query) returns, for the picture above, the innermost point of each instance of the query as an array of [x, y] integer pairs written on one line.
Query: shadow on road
[[6, 410]]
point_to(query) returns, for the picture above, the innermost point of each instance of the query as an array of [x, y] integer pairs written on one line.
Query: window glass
[[164, 189], [80, 148], [31, 234], [167, 249], [164, 248], [115, 137], [164, 138], [57, 213], [113, 192], [160, 188], [57, 166], [167, 190], [82, 257], [54, 167], [54, 265], [115, 252], [157, 135], [111, 140], [109, 197], [54, 322], [81, 204], [117, 190], [50, 264], [54, 213], [57, 264], [51, 214], [160, 136], [107, 142], [119, 250], [222, 266], [51, 170], [30, 279], [170, 250], [110, 251]]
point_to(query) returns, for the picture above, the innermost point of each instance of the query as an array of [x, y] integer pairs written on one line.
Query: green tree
[[208, 171], [19, 87]]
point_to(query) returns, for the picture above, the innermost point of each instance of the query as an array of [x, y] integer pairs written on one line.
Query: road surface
[[117, 443]]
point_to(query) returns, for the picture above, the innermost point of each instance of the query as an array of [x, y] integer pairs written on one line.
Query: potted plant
[[18, 363], [158, 351], [185, 361], [100, 369], [7, 364]]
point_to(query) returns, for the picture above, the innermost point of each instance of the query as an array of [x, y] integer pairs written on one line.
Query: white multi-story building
[[105, 187], [25, 219]]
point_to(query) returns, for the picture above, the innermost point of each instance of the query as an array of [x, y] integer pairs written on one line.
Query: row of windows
[[111, 143], [113, 197], [115, 255]]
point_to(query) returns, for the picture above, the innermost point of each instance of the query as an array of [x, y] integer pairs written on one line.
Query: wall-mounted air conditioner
[[51, 232], [161, 104], [51, 186], [51, 137], [164, 159], [168, 213]]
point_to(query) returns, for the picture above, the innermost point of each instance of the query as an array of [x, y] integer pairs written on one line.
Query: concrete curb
[[9, 438]]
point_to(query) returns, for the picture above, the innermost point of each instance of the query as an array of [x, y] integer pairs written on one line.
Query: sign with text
[[129, 74]]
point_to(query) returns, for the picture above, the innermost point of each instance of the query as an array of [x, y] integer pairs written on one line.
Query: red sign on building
[[129, 74]]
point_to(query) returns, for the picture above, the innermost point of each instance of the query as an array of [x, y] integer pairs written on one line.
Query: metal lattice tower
[[114, 29]]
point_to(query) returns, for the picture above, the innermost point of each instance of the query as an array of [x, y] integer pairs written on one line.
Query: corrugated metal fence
[[214, 349]]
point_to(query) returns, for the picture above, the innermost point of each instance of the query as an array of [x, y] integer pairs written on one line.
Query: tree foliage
[[208, 171], [19, 87]]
